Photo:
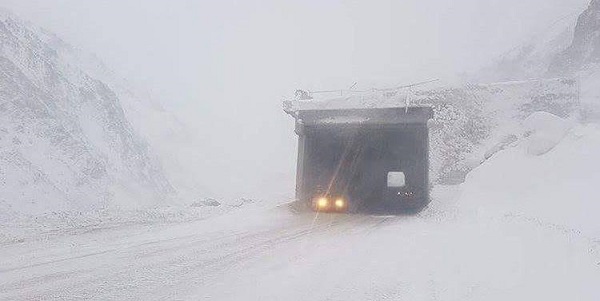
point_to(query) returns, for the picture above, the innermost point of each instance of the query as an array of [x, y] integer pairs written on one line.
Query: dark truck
[[371, 160]]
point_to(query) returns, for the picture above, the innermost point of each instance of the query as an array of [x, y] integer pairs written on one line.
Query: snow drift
[[549, 177]]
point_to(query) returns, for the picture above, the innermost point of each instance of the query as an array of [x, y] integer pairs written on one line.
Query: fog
[[482, 188], [224, 66]]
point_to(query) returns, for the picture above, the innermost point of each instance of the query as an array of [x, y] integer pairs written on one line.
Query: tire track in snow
[[200, 259]]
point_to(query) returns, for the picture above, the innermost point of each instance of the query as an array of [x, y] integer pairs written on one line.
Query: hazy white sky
[[185, 49], [226, 63]]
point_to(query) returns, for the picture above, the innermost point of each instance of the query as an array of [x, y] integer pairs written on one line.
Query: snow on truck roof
[[417, 104], [345, 103], [397, 97], [425, 97], [352, 101], [387, 107]]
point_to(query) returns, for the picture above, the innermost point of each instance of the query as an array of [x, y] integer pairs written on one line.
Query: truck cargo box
[[372, 160]]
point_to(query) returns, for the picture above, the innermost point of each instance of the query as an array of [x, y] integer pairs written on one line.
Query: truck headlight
[[322, 202], [339, 203]]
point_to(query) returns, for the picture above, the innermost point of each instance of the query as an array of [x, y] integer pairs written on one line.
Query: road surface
[[276, 254]]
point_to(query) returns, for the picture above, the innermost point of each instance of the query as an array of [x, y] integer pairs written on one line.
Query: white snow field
[[523, 226]]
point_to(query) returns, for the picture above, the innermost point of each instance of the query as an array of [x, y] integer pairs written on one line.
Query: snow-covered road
[[279, 255], [524, 226]]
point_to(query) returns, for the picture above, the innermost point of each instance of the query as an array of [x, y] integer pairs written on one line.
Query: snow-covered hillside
[[533, 58], [548, 176], [65, 140], [584, 49], [175, 143], [474, 121], [569, 47]]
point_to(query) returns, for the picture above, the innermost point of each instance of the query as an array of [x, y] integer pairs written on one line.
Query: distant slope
[[533, 58], [65, 140], [568, 47], [584, 50], [556, 71]]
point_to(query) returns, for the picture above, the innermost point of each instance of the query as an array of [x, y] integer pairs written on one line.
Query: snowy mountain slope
[[569, 47], [66, 142], [556, 186], [533, 58], [584, 50], [174, 143], [474, 121]]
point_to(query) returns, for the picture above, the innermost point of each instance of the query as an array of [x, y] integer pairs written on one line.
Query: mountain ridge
[[66, 141], [584, 50], [569, 47]]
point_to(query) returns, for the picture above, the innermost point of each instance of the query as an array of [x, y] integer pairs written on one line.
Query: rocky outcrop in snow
[[473, 122], [567, 47], [584, 50]]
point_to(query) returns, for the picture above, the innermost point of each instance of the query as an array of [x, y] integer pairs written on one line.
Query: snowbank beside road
[[550, 176], [16, 227]]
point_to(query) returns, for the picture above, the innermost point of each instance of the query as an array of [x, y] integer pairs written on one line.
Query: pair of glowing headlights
[[324, 203]]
